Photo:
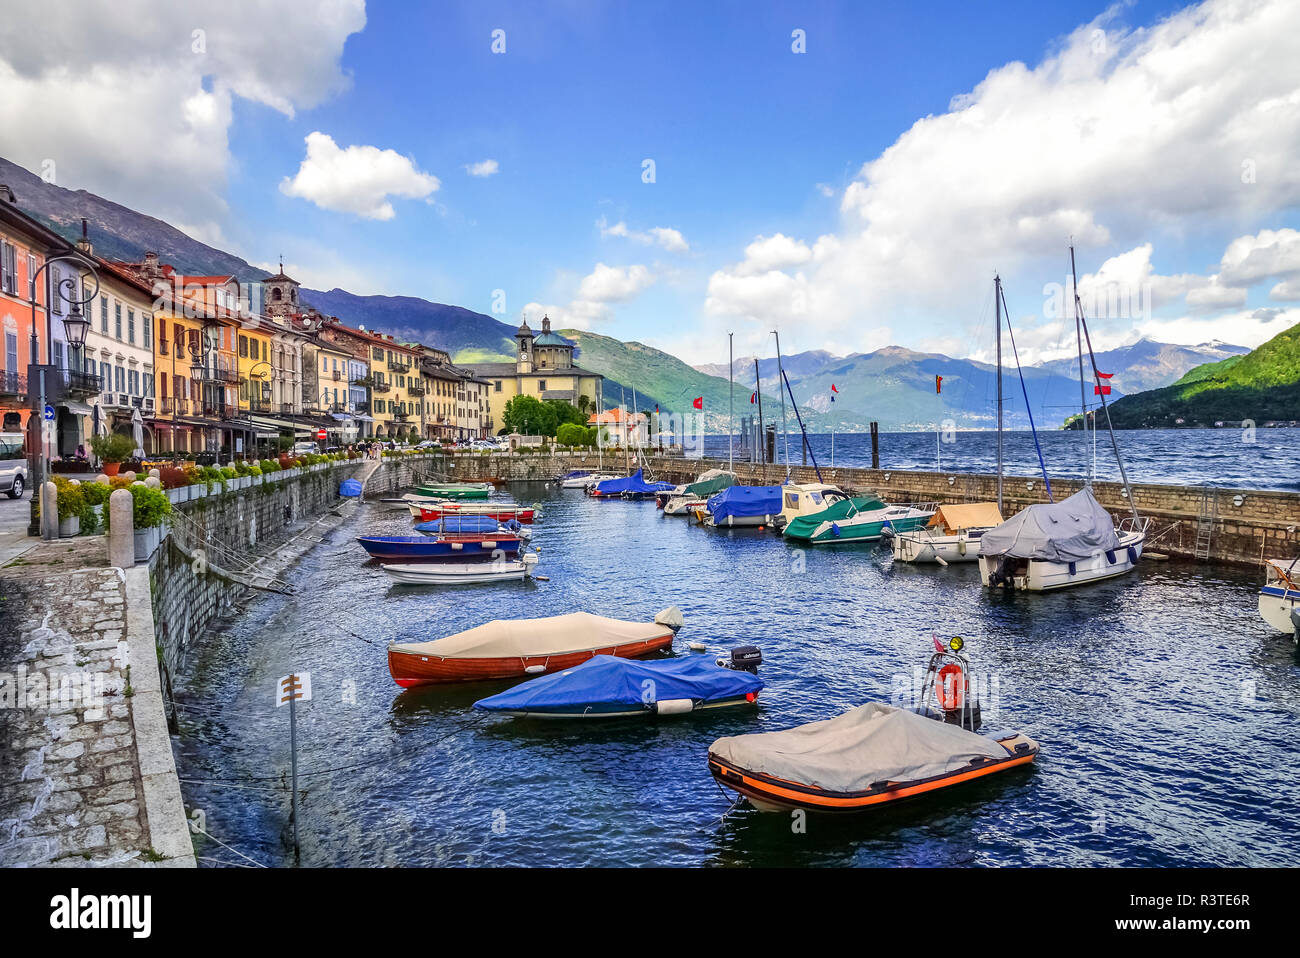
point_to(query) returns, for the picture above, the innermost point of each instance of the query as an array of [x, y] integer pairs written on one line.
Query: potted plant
[[95, 495], [70, 503], [150, 510], [112, 450]]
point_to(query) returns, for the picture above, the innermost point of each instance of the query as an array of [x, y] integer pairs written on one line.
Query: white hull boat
[[682, 505], [1279, 600], [953, 534], [464, 573], [1048, 575]]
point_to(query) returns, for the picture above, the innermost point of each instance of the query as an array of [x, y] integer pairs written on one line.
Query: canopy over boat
[[715, 480], [634, 483], [805, 525], [606, 682], [952, 519], [865, 746], [1067, 531], [742, 502], [519, 638], [462, 524]]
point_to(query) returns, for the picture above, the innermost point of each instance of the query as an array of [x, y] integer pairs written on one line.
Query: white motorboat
[[805, 499], [1279, 599], [682, 505], [464, 573], [1055, 545], [953, 534]]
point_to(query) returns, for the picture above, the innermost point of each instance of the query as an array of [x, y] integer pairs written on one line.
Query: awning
[[341, 417], [76, 408], [970, 515]]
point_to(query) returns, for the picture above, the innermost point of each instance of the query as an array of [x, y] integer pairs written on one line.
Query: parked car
[[305, 448], [13, 465]]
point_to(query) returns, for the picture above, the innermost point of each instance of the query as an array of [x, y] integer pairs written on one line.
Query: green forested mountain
[[1263, 385]]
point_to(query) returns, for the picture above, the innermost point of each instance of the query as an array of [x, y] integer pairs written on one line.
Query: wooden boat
[[429, 509], [610, 686], [952, 535], [465, 573], [425, 548], [1279, 599], [875, 754], [515, 648]]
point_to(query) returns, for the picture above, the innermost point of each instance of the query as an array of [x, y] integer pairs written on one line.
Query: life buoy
[[950, 687]]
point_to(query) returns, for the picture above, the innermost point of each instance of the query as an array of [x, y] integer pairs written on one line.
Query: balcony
[[381, 387], [398, 367], [163, 346], [361, 407], [260, 406], [13, 384], [174, 407], [338, 376], [402, 417], [417, 388], [224, 374], [215, 410], [79, 384]]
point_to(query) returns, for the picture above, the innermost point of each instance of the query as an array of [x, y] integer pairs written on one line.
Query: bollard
[[121, 531], [49, 511], [153, 482]]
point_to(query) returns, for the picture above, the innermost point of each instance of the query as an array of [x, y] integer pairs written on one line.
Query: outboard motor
[[1295, 620], [1004, 573], [743, 658]]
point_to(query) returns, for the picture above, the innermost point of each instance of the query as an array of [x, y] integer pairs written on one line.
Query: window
[[148, 330], [57, 359], [103, 315], [243, 347], [56, 301], [31, 268], [541, 385], [117, 320], [324, 364], [11, 353], [133, 382], [148, 384], [130, 326], [498, 386], [8, 268]]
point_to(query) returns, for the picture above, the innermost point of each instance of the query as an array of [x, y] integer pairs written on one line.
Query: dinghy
[[574, 479], [860, 519], [1279, 599], [429, 548], [1055, 545], [515, 648], [454, 490], [473, 525], [427, 510], [465, 573], [952, 534], [744, 506], [606, 686], [875, 754]]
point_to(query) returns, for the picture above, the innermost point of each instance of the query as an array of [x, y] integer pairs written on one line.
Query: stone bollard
[[153, 482], [121, 532], [49, 511], [156, 472]]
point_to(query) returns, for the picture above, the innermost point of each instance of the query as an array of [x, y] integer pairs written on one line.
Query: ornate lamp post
[[75, 326]]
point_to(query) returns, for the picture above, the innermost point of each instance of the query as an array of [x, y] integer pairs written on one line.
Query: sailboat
[[1279, 599], [1056, 545]]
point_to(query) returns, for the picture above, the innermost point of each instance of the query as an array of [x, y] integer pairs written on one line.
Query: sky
[[850, 173]]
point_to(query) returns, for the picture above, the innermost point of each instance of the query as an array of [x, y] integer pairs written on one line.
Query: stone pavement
[[14, 516], [86, 772]]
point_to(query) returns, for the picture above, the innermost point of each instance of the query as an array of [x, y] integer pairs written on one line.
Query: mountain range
[[894, 386]]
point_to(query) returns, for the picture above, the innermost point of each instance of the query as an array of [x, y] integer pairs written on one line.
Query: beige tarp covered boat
[[967, 515]]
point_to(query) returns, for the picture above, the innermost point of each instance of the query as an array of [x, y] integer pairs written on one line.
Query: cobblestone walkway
[[71, 791]]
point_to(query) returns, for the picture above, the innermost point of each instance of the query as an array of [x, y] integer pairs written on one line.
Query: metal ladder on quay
[[1206, 520]]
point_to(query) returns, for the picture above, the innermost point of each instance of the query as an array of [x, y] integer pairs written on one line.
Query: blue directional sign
[[49, 413]]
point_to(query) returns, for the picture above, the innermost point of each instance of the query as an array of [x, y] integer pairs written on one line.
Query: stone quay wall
[[1247, 525]]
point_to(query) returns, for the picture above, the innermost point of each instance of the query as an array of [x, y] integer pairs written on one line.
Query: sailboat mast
[[758, 394], [1078, 332], [780, 378], [997, 306], [731, 399]]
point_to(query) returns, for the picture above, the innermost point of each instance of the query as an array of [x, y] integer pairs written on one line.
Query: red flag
[[1104, 388], [938, 384], [699, 402], [752, 397], [938, 646], [833, 388]]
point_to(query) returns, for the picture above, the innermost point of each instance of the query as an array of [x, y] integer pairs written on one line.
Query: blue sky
[[751, 142]]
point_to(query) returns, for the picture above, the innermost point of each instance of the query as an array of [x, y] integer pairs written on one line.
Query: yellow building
[[543, 368], [255, 369]]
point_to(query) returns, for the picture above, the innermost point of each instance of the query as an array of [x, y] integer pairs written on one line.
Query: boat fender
[[961, 547], [697, 646], [1110, 556], [1132, 556], [674, 706], [1295, 620], [835, 529], [1073, 567], [534, 669], [486, 544], [457, 546]]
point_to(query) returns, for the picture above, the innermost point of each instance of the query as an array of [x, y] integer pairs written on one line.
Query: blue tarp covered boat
[[745, 506], [462, 525], [631, 486], [461, 548], [607, 686]]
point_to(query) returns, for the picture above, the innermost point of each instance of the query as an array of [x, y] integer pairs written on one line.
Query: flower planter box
[[146, 542], [69, 527]]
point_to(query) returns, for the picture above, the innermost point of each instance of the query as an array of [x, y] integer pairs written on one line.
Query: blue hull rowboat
[[460, 548], [609, 686]]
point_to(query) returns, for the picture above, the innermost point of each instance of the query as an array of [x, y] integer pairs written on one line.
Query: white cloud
[[133, 100], [669, 239], [1286, 291], [1252, 259], [1150, 134], [483, 168], [826, 190], [590, 305], [356, 179]]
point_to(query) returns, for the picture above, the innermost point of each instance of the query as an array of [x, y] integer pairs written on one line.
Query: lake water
[[1167, 711], [1263, 459]]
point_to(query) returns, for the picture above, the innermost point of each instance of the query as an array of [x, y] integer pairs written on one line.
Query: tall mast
[[1078, 332], [997, 306], [780, 378], [731, 399], [758, 394]]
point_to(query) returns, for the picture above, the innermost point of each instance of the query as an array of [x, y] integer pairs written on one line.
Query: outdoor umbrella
[[137, 430]]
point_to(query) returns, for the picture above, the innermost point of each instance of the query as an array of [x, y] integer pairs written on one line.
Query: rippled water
[[1166, 710], [1262, 459]]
